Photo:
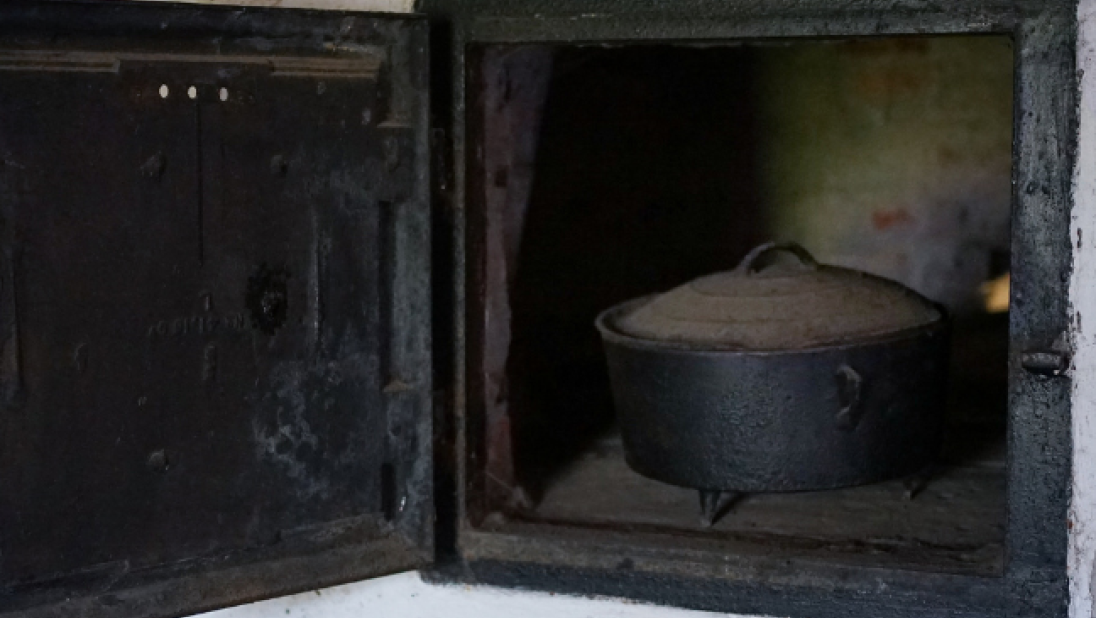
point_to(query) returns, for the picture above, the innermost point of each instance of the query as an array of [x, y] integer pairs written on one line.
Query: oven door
[[214, 305]]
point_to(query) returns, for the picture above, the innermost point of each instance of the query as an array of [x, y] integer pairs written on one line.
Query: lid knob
[[748, 265]]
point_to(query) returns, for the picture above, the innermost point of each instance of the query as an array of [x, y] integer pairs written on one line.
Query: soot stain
[[267, 298]]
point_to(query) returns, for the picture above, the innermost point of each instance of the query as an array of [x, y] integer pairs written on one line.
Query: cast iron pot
[[778, 378]]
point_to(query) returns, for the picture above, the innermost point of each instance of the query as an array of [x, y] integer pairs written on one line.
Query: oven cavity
[[609, 173]]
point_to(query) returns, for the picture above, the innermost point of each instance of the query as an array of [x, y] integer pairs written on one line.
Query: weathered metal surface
[[554, 559], [777, 421], [1040, 442], [624, 21], [216, 260]]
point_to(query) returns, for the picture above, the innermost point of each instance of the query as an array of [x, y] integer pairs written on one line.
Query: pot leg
[[715, 504], [916, 483]]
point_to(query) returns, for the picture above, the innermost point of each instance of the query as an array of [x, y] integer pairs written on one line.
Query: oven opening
[[604, 174]]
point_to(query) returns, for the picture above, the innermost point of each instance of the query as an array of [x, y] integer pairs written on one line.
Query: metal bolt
[[157, 461], [1044, 362]]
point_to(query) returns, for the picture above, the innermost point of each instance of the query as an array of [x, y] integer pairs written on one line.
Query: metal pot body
[[795, 420]]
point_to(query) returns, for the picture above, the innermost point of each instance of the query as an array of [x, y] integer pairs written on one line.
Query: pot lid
[[767, 304]]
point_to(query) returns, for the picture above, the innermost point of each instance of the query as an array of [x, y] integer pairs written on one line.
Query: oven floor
[[955, 524]]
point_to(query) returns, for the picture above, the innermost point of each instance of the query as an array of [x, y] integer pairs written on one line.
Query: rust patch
[[888, 219]]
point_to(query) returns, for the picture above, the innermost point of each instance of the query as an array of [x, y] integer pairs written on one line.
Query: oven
[[295, 298]]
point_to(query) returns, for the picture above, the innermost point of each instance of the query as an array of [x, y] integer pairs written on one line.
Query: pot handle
[[849, 385], [748, 263]]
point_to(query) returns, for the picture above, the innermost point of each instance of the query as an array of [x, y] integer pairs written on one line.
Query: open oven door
[[214, 305]]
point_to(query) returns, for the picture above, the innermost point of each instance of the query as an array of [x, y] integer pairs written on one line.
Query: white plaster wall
[[407, 596], [1082, 549]]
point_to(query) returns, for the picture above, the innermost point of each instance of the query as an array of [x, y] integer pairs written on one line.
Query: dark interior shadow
[[977, 391], [646, 178]]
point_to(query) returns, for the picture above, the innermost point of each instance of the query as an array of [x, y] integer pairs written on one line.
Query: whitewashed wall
[[1083, 299], [407, 596]]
